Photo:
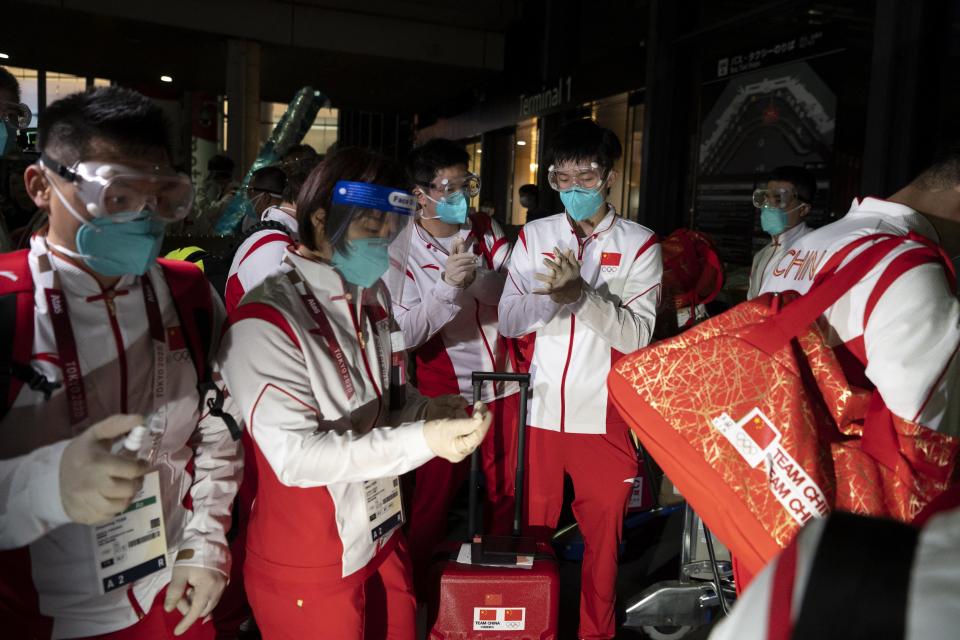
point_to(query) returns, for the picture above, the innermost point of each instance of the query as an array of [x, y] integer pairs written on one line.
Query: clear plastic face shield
[[370, 235], [585, 176], [122, 194], [780, 198]]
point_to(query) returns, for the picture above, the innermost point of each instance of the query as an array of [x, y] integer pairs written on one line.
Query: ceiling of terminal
[[365, 53], [387, 55]]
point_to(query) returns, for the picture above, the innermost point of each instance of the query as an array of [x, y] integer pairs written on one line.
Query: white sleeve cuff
[[45, 486], [548, 308], [446, 293], [415, 444], [581, 302]]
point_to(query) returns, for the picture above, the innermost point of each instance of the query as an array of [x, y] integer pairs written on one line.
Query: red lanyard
[[67, 350], [70, 361], [326, 331]]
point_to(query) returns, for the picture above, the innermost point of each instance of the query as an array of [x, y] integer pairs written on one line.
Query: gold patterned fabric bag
[[752, 417]]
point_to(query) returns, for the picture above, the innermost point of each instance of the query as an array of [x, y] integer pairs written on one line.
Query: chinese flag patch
[[609, 259], [175, 340], [488, 615], [760, 432], [513, 615]]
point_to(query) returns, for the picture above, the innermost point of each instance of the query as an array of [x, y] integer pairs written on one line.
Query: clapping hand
[[562, 282]]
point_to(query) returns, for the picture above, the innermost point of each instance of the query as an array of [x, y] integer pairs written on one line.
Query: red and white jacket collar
[[284, 217], [903, 215], [74, 280]]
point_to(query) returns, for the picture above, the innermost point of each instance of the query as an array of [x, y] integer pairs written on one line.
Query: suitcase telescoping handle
[[479, 377]]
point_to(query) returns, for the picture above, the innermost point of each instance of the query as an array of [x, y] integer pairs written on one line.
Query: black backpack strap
[[859, 580], [192, 299], [16, 331], [264, 225], [215, 406]]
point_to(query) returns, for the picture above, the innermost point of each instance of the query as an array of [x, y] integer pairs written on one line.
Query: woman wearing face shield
[[309, 356]]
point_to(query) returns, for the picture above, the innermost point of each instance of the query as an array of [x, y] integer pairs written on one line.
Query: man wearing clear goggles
[[108, 336], [783, 204], [586, 282], [14, 115], [120, 210], [447, 311]]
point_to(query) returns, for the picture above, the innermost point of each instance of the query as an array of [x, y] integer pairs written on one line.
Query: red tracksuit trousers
[[157, 624], [438, 482], [602, 468], [382, 607]]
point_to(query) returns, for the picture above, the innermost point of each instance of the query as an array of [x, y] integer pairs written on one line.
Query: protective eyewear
[[362, 210], [16, 114], [370, 210], [585, 177], [254, 195], [446, 187], [123, 193], [780, 198]]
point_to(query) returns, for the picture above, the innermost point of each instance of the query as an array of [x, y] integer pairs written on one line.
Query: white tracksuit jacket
[[259, 255], [318, 412], [910, 341], [761, 270], [115, 353], [933, 612], [576, 344], [452, 332]]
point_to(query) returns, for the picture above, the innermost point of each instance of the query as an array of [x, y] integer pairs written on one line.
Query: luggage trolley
[[503, 587], [671, 609]]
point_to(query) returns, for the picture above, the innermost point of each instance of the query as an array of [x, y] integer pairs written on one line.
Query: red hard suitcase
[[490, 602]]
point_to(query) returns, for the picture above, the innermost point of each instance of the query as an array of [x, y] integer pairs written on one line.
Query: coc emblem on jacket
[[610, 261]]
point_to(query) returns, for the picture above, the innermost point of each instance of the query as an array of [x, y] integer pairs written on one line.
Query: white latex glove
[[454, 440], [562, 282], [441, 407], [95, 485], [194, 592], [461, 266]]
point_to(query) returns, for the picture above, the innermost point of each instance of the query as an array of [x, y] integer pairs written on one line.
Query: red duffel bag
[[752, 418]]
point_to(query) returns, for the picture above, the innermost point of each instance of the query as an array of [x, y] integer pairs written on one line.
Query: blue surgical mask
[[364, 261], [581, 203], [775, 220], [8, 138], [120, 248], [115, 248], [452, 209]]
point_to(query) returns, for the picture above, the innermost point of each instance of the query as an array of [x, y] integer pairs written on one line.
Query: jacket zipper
[[108, 300], [566, 365]]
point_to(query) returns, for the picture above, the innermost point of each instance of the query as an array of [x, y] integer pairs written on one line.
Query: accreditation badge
[[134, 544]]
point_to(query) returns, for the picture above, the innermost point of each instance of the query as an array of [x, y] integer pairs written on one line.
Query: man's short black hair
[[425, 161], [529, 190], [221, 165], [271, 179], [9, 84], [801, 179], [944, 172], [298, 152], [120, 116], [582, 140], [297, 172]]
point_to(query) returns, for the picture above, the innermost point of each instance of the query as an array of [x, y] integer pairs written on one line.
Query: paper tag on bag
[[134, 544]]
